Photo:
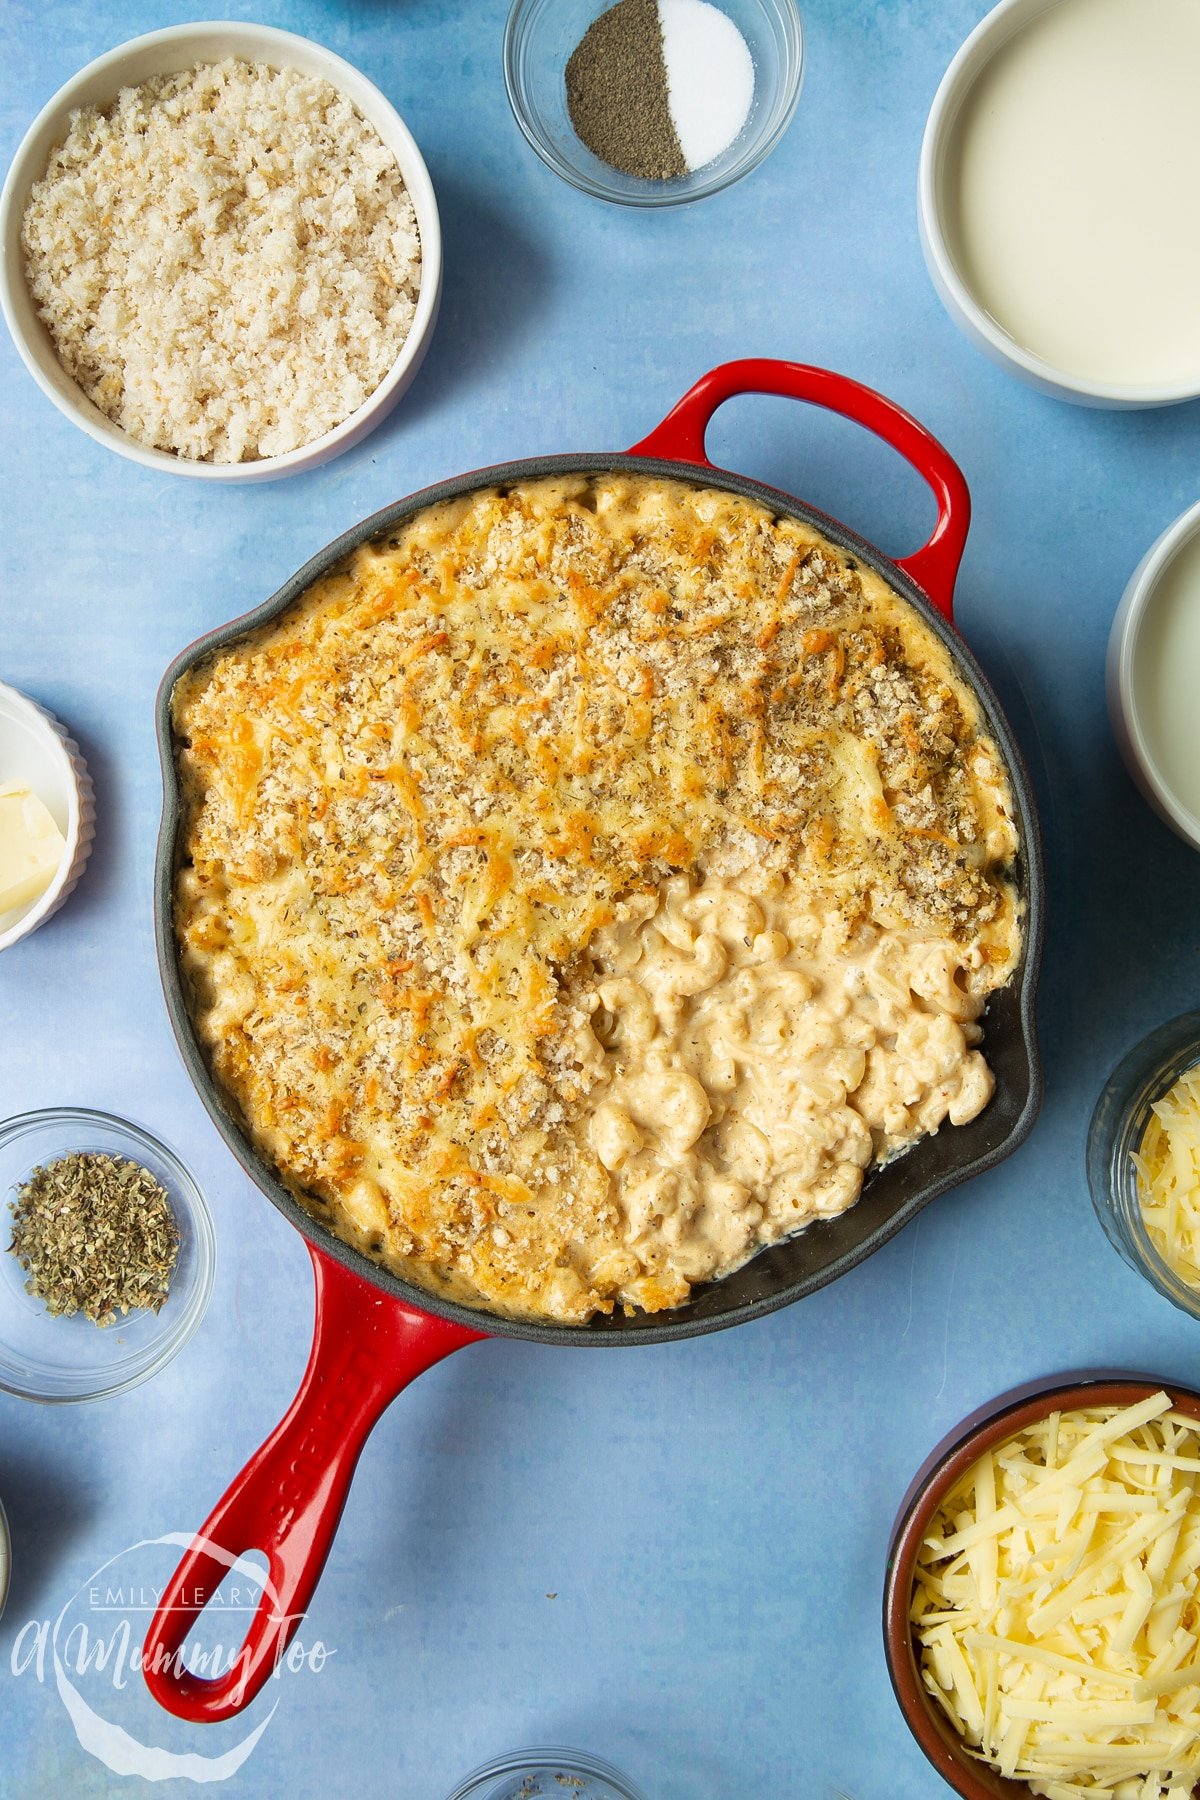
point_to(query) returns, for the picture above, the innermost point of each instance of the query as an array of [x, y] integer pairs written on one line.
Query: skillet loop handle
[[288, 1499], [680, 438]]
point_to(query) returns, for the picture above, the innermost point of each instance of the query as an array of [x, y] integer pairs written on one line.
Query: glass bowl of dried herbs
[[107, 1255], [653, 102]]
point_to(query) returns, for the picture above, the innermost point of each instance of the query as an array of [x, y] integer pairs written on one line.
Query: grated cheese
[[1168, 1177], [1056, 1605]]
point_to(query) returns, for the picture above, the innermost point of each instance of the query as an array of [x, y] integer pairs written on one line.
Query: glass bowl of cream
[[1153, 676], [1056, 205], [700, 92]]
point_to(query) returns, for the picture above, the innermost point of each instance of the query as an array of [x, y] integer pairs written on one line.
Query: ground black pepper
[[617, 92]]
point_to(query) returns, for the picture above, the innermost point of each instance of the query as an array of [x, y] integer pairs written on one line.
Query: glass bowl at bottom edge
[[546, 1773]]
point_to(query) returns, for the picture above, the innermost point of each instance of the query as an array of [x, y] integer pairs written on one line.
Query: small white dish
[[546, 1774], [1141, 657], [940, 205], [36, 749], [168, 52]]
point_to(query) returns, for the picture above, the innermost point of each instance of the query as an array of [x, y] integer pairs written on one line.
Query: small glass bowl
[[546, 1774], [1118, 1123], [63, 1359], [538, 40], [985, 1429], [5, 1559]]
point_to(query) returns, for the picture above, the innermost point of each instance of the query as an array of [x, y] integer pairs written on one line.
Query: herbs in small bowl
[[95, 1234], [105, 1226]]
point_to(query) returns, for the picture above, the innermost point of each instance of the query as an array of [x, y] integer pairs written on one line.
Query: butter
[[31, 846]]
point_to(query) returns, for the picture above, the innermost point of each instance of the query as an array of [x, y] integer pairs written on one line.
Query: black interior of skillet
[[892, 1195]]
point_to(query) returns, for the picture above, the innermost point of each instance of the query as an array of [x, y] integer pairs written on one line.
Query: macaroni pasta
[[585, 885]]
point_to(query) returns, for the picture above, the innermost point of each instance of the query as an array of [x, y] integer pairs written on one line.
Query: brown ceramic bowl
[[983, 1430]]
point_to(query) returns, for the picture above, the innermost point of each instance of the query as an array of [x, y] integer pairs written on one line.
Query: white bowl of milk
[[1154, 675], [1057, 196]]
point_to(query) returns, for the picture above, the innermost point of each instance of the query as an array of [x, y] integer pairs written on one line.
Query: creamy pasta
[[584, 885], [755, 1056]]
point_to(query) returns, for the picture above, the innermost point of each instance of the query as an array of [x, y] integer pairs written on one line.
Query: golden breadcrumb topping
[[412, 803]]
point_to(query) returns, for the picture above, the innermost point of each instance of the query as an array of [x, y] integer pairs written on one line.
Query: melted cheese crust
[[412, 803]]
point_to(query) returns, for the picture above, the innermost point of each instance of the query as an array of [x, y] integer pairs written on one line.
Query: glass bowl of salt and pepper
[[653, 102]]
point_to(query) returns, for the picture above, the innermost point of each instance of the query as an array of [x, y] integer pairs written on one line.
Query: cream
[[1073, 216], [1166, 676]]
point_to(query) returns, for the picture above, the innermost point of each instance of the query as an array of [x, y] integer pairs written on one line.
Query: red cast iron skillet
[[375, 1332]]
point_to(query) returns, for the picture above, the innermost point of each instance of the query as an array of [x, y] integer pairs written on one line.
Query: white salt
[[710, 77]]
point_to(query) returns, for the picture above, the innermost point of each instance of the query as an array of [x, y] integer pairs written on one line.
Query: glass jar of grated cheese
[[1143, 1160]]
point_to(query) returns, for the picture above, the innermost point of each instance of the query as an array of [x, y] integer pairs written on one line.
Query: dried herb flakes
[[95, 1234]]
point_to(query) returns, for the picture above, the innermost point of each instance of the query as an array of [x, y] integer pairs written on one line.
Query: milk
[[1074, 216]]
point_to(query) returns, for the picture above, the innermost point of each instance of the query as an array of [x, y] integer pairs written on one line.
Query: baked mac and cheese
[[581, 888]]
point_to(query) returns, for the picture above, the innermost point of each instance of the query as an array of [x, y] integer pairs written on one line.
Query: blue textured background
[[711, 1518]]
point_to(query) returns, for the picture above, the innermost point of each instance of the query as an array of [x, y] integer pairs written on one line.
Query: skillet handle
[[288, 1499], [680, 438]]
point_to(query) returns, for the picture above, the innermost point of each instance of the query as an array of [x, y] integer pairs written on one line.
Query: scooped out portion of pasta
[[582, 887]]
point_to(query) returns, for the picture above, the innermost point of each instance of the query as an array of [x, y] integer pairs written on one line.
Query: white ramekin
[[166, 53], [1121, 668], [35, 748], [989, 37]]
